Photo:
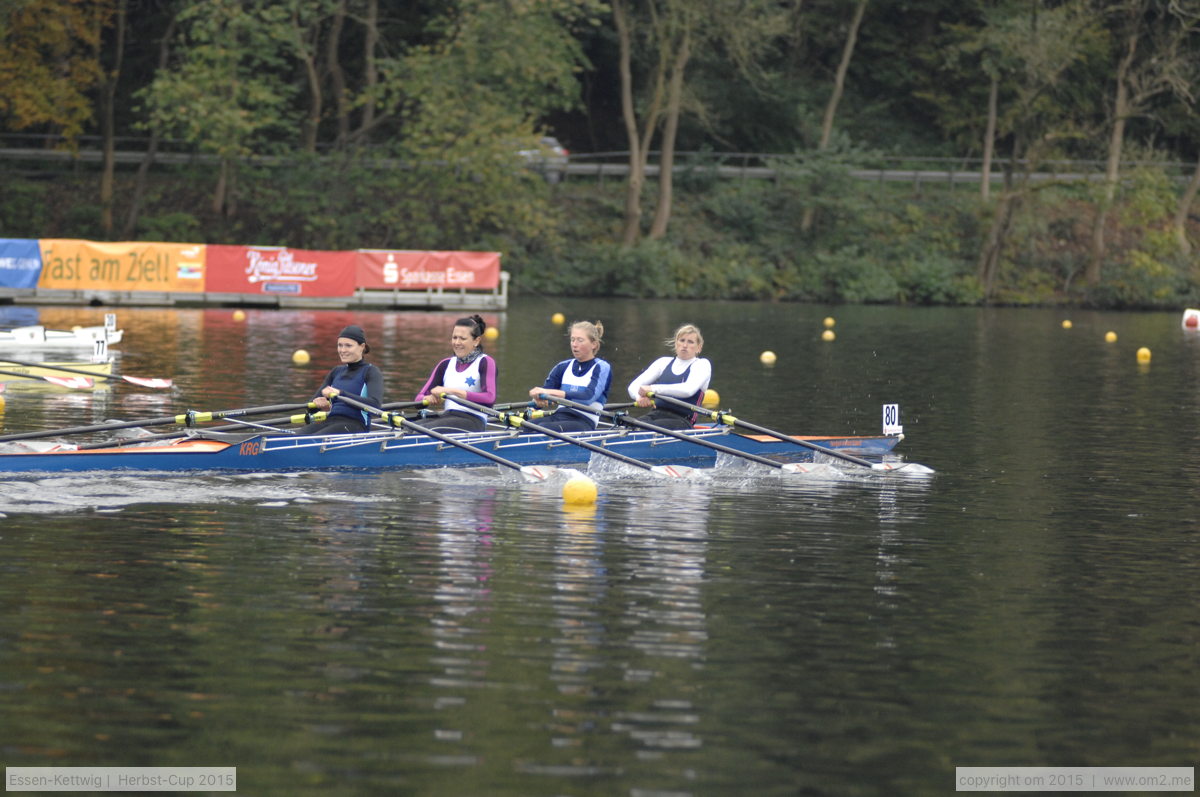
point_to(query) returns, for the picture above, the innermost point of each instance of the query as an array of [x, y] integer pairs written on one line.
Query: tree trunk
[[218, 202], [839, 83], [370, 71], [662, 211], [989, 141], [633, 187], [1112, 169], [143, 173], [337, 76], [989, 258], [1184, 209], [315, 97], [108, 125]]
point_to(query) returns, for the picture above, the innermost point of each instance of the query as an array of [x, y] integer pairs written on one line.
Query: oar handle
[[726, 418]]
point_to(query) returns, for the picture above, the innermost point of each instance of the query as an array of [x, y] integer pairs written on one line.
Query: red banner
[[405, 270], [279, 271]]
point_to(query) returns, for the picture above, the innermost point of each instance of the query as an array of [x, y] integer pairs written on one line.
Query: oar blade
[[809, 469], [538, 473], [903, 468], [673, 471], [158, 384], [73, 382]]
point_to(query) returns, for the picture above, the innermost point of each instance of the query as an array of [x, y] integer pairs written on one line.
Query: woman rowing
[[684, 376], [585, 379], [355, 377], [468, 374]]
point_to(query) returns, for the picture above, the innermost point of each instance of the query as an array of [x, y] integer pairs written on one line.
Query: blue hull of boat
[[386, 451]]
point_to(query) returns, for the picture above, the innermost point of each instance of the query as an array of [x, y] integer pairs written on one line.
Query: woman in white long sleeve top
[[684, 376]]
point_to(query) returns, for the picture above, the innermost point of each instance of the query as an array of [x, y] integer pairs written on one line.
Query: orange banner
[[406, 270], [127, 266]]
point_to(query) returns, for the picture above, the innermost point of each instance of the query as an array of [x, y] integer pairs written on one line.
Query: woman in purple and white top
[[684, 376], [468, 374]]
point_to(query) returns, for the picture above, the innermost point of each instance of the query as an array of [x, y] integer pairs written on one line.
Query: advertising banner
[[279, 271], [20, 262], [408, 270], [126, 266]]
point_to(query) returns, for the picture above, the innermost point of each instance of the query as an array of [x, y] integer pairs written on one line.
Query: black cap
[[355, 334]]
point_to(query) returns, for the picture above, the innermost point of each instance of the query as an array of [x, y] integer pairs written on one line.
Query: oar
[[308, 417], [730, 420], [526, 403], [516, 421], [531, 472], [135, 380], [190, 418], [786, 467], [61, 381]]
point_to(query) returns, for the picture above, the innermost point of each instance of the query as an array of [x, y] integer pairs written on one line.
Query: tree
[[664, 38], [1151, 39], [49, 63], [835, 97], [227, 94], [1045, 43]]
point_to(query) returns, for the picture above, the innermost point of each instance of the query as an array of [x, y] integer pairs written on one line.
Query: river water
[[455, 632]]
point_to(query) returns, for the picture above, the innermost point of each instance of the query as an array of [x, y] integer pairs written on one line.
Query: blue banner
[[20, 262]]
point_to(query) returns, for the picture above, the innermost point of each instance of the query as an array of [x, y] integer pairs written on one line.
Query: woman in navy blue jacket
[[354, 377]]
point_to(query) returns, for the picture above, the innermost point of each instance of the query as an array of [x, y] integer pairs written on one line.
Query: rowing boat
[[394, 450], [38, 337], [16, 372]]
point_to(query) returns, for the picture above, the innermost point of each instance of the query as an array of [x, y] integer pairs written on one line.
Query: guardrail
[[918, 170]]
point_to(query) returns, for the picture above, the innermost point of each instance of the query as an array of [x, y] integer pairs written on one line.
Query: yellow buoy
[[1, 403], [829, 322], [239, 315], [1066, 323], [558, 318], [767, 358], [579, 490], [1143, 355], [491, 333], [711, 400], [300, 357], [1110, 337], [828, 335]]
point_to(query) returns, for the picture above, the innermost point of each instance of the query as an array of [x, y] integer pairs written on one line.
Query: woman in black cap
[[355, 377]]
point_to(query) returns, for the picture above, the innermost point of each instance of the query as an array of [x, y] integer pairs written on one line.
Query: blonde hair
[[595, 331], [686, 329]]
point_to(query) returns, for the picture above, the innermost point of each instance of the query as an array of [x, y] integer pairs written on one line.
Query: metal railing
[[918, 170]]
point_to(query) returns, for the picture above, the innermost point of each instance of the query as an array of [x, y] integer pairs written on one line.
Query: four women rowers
[[470, 374]]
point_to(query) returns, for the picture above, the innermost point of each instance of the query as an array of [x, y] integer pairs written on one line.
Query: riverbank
[[886, 243]]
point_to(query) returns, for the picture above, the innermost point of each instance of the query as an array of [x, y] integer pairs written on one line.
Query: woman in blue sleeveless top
[[355, 377], [684, 376], [585, 379]]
